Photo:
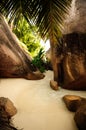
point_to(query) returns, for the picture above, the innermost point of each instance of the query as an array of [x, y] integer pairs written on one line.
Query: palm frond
[[48, 15], [13, 8]]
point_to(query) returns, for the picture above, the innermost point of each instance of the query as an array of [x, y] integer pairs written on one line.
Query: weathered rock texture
[[77, 84], [8, 106], [7, 110], [77, 104], [76, 18], [71, 63], [14, 61], [73, 102], [72, 68]]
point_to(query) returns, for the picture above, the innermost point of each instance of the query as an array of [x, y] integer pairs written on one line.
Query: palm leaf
[[13, 8], [48, 15]]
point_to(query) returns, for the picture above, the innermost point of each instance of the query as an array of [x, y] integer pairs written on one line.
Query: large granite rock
[[76, 18], [77, 104], [14, 61], [74, 49]]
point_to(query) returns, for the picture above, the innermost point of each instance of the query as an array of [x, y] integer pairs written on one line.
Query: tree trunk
[[54, 63], [54, 59]]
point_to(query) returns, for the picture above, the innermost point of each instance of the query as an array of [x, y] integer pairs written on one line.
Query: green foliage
[[48, 15], [27, 34], [38, 60]]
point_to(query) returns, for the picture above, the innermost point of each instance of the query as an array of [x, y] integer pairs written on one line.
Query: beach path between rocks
[[39, 107]]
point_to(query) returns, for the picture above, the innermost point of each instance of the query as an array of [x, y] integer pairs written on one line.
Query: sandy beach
[[39, 107]]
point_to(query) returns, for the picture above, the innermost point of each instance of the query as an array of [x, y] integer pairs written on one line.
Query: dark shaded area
[[5, 121], [73, 48], [75, 42], [80, 117]]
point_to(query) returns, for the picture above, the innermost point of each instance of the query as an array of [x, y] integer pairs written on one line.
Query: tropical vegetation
[[27, 35], [47, 15], [39, 61]]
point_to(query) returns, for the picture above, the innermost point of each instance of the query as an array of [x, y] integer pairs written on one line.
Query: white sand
[[39, 107]]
